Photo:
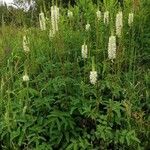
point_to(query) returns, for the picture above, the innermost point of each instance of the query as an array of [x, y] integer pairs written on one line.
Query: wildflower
[[25, 77], [87, 27], [119, 23], [25, 44], [54, 18], [93, 77], [70, 14], [130, 19], [93, 73], [98, 14], [42, 21], [112, 47], [106, 17], [84, 51]]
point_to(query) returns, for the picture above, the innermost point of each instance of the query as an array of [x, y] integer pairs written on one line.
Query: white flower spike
[[106, 17], [84, 51], [93, 73], [42, 21], [54, 18], [119, 23], [112, 47], [130, 19], [98, 14], [25, 44], [93, 77]]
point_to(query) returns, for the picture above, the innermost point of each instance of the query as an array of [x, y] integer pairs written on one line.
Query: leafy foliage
[[59, 108]]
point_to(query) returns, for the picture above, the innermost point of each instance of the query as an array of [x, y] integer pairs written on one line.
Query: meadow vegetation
[[76, 77]]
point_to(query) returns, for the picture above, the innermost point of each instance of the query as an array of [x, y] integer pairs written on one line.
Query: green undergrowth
[[58, 108]]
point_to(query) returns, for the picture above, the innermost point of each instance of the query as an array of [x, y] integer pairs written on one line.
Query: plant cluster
[[78, 80]]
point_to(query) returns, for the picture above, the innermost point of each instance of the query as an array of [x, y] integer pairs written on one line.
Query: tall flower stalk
[[98, 14], [84, 51], [106, 17], [42, 21], [132, 54], [26, 101], [26, 44], [112, 47], [119, 23], [54, 18], [130, 19], [93, 73]]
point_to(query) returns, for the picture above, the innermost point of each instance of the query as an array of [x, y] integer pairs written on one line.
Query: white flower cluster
[[84, 51], [87, 27], [25, 77], [130, 19], [54, 18], [42, 21], [25, 44], [70, 14], [106, 17], [112, 47], [98, 14], [93, 77], [119, 23]]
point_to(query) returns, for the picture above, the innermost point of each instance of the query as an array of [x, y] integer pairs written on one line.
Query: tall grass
[[50, 100]]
